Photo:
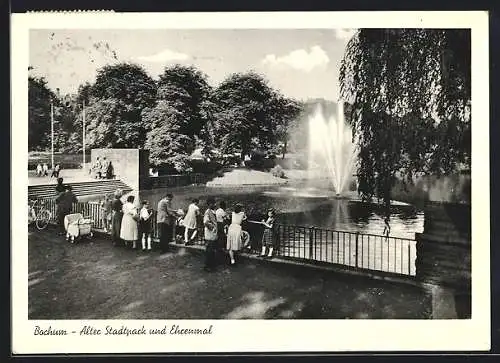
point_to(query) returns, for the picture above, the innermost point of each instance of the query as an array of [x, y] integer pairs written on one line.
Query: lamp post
[[52, 134], [83, 141]]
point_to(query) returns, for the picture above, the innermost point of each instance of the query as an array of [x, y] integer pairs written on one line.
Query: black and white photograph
[[233, 172]]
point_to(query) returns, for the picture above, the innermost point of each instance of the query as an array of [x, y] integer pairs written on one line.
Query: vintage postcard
[[250, 182]]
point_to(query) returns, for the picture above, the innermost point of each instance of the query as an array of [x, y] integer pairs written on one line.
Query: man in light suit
[[165, 218]]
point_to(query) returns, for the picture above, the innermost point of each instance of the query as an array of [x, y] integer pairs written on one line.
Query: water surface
[[304, 207]]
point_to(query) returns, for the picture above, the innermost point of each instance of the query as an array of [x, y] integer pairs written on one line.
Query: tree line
[[408, 93], [171, 116]]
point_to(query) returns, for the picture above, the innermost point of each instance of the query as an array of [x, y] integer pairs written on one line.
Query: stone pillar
[[144, 178], [444, 258]]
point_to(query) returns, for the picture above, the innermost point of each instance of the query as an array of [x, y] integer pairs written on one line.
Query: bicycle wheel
[[42, 219]]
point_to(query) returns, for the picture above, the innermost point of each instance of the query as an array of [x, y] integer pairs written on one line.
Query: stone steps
[[102, 187]]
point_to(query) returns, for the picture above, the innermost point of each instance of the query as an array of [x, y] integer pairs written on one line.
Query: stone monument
[[129, 165]]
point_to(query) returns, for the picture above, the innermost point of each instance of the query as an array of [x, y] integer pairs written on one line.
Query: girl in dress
[[268, 236], [191, 222], [234, 242], [129, 231]]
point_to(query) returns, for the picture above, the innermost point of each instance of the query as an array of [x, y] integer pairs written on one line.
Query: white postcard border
[[260, 335]]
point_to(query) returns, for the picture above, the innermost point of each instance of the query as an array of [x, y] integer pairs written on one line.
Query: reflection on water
[[304, 207]]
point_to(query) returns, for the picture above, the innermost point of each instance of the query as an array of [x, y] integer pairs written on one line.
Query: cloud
[[344, 34], [165, 55], [300, 59]]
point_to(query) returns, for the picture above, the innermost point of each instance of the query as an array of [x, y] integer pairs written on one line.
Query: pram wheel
[[91, 234], [72, 239]]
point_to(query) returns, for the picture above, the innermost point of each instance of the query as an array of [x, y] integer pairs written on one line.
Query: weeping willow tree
[[410, 94]]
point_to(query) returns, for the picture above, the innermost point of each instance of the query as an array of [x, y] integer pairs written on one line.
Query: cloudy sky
[[302, 63]]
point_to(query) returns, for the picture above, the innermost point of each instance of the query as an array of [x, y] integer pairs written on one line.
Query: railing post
[[277, 239], [174, 232], [356, 248], [409, 260], [311, 241]]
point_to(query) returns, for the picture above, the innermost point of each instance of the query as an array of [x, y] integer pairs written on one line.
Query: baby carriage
[[77, 226]]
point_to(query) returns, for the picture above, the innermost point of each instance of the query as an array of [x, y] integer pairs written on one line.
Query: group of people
[[64, 203], [102, 169], [127, 223], [43, 170], [222, 231]]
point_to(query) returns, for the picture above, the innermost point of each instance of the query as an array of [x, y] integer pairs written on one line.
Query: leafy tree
[[168, 146], [103, 123], [249, 114], [409, 91], [39, 96], [84, 93], [180, 119], [67, 125], [186, 89], [116, 100], [287, 113]]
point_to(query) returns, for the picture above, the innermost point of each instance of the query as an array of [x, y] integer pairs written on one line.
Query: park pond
[[302, 206]]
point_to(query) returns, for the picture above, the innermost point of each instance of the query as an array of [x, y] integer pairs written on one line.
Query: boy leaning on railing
[[145, 225], [106, 212]]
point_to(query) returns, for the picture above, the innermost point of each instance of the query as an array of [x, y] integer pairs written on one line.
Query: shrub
[[167, 170], [205, 167], [278, 172], [260, 161]]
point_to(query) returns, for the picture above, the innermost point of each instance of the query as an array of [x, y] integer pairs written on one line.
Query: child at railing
[[145, 225], [106, 213], [191, 222], [179, 226], [268, 236]]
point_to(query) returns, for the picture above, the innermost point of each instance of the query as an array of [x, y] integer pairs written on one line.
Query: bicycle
[[41, 217]]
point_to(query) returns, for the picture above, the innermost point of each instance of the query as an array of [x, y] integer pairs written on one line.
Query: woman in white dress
[[234, 241], [129, 231], [191, 221]]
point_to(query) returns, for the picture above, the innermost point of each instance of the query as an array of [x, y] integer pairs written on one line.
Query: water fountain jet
[[331, 144]]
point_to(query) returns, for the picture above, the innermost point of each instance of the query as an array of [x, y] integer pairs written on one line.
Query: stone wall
[[173, 181], [444, 247], [444, 253]]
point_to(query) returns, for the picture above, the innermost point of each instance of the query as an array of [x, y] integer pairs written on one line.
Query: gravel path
[[93, 280]]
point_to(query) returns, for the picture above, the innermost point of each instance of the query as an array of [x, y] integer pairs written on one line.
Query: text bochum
[[127, 331]]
